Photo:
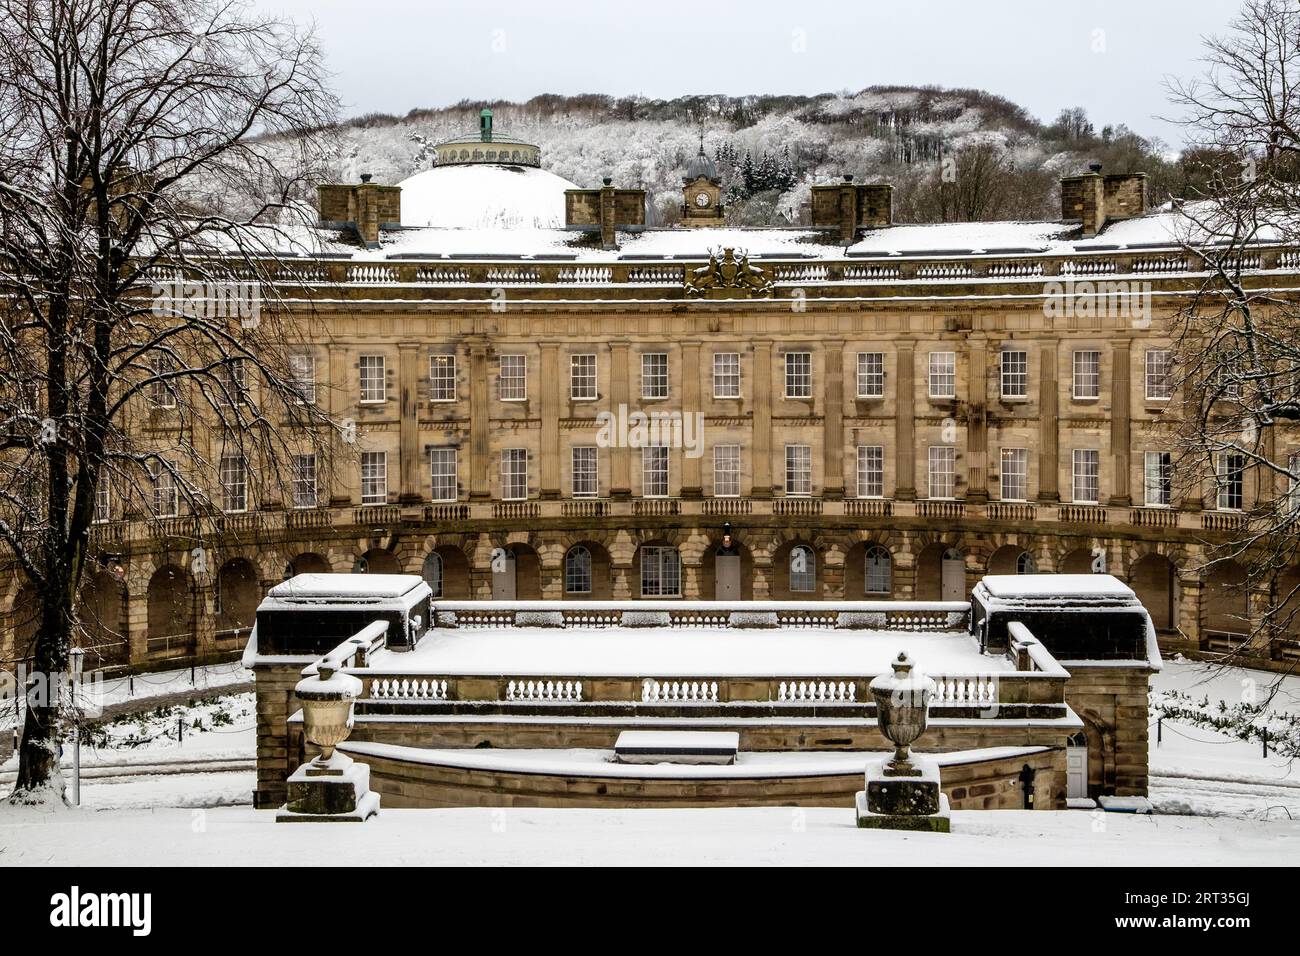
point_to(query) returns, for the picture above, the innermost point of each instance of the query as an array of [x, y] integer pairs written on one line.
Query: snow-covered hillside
[[882, 134]]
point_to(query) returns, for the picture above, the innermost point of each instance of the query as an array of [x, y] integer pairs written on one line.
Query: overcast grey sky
[[1109, 56]]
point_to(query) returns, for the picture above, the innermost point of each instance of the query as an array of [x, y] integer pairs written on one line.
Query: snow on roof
[[343, 586], [698, 243], [964, 238], [511, 212], [684, 652], [484, 196], [1038, 587]]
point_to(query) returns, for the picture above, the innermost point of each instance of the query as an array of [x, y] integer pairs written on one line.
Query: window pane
[[726, 375], [582, 377], [661, 572], [654, 375], [871, 471], [726, 471], [871, 374], [1087, 374], [1157, 478], [1231, 480], [803, 570], [514, 378], [586, 477], [374, 478], [1087, 475], [577, 571], [1159, 381], [798, 469], [798, 375], [943, 460], [234, 483], [304, 481], [302, 375], [1015, 474], [514, 474], [1015, 374], [879, 571], [943, 374], [372, 378], [442, 378], [654, 471], [442, 468]]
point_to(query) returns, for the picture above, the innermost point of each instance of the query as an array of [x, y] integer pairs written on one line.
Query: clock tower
[[702, 192]]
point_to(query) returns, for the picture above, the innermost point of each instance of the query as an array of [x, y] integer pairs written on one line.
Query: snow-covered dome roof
[[484, 197], [701, 166]]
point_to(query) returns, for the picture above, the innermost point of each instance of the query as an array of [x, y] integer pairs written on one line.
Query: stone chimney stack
[[850, 206], [365, 208], [604, 210], [1095, 200]]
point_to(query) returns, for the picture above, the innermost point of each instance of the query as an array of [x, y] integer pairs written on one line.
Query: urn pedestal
[[902, 792], [332, 788]]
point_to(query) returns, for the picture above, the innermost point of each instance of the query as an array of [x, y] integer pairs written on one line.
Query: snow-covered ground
[[238, 835], [117, 691], [688, 652], [1199, 770], [1218, 800]]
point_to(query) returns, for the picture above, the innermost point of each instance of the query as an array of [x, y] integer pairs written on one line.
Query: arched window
[[577, 571], [433, 573], [803, 569], [879, 573], [1025, 564], [661, 572]]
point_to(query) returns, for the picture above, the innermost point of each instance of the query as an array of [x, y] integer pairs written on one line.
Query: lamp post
[[76, 662]]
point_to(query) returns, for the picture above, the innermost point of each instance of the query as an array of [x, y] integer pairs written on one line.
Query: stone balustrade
[[931, 616], [495, 272], [392, 517]]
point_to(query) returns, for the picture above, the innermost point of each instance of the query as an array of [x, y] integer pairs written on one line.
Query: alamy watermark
[[216, 300], [638, 429], [41, 688], [1098, 298]]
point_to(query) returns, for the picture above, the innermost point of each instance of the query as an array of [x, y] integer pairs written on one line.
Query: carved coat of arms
[[729, 276]]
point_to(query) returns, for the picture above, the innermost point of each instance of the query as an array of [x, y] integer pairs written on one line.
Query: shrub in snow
[[860, 620], [753, 619], [645, 619], [539, 619]]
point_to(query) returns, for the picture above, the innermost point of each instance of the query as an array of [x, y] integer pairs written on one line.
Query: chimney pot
[[1094, 167]]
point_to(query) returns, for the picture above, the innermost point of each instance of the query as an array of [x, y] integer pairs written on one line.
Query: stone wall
[[1113, 704], [987, 785]]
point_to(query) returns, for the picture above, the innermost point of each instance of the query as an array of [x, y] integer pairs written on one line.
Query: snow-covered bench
[[677, 746]]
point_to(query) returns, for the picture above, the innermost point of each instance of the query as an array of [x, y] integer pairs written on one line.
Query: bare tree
[[1237, 340], [144, 204], [976, 183]]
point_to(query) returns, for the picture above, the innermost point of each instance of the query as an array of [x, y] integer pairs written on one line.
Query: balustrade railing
[[487, 272]]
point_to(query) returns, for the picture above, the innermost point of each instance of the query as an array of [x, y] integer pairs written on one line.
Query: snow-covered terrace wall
[[765, 653]]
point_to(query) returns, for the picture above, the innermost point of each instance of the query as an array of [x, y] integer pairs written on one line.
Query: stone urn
[[902, 706], [327, 700]]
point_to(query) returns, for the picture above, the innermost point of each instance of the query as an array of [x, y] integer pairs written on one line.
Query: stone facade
[[970, 462]]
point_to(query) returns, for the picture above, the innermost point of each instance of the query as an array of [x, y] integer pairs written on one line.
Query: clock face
[[701, 199]]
